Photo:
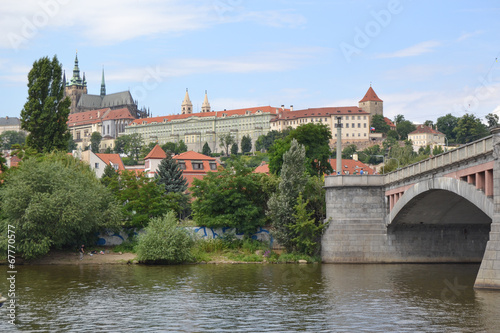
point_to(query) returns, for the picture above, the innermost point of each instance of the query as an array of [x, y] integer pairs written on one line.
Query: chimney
[[283, 107], [291, 107], [355, 157]]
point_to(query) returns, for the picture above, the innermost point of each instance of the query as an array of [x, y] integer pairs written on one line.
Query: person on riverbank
[[82, 251]]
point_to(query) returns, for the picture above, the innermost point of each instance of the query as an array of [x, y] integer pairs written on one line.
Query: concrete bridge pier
[[489, 272]]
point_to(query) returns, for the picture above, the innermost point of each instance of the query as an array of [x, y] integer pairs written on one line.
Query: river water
[[250, 298]]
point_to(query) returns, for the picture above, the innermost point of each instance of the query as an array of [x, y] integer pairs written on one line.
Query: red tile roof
[[352, 166], [390, 123], [191, 155], [123, 113], [86, 117], [156, 153], [218, 114], [320, 112], [262, 168], [370, 96], [112, 158], [421, 129]]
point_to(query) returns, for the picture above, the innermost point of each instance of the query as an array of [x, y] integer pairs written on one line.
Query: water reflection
[[253, 298]]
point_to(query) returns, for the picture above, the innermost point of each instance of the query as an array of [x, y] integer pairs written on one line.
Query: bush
[[164, 242]]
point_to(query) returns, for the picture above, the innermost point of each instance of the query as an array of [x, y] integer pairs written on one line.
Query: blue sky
[[424, 58]]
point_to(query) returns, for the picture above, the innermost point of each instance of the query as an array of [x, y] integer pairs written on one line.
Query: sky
[[424, 59]]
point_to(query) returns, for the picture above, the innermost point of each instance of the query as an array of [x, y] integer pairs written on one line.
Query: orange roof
[[191, 155], [370, 96], [112, 158], [352, 166], [320, 112], [218, 114], [262, 168], [123, 113], [156, 153], [422, 129], [86, 117], [390, 123]]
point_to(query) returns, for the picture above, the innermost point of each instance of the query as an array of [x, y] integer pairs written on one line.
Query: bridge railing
[[470, 150]]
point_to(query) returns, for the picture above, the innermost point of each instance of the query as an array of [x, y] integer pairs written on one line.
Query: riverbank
[[73, 258]]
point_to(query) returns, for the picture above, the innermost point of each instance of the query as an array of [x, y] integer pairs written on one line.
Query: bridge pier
[[489, 272]]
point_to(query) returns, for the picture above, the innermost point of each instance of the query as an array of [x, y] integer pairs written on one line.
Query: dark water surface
[[251, 298]]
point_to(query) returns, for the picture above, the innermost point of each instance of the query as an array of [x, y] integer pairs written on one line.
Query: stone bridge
[[443, 209]]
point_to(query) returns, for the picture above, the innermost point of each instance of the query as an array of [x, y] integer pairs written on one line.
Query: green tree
[[129, 144], [437, 150], [398, 118], [108, 175], [120, 144], [225, 141], [265, 141], [234, 149], [3, 166], [234, 197], [492, 120], [281, 204], [10, 138], [71, 144], [276, 152], [45, 114], [306, 232], [54, 202], [446, 125], [349, 151], [141, 198], [169, 147], [181, 147], [170, 176], [206, 149], [469, 128], [163, 242], [429, 123], [404, 128], [95, 141], [378, 122], [246, 144]]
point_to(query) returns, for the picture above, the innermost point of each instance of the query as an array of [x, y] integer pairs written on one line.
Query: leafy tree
[[371, 155], [234, 197], [393, 134], [120, 144], [306, 232], [265, 141], [225, 141], [3, 165], [316, 140], [246, 144], [492, 119], [281, 204], [398, 118], [163, 242], [53, 202], [429, 123], [234, 149], [206, 149], [129, 144], [45, 114], [349, 151], [95, 141], [170, 176], [108, 175], [141, 198], [276, 152], [404, 128], [9, 138], [469, 128], [437, 150], [379, 124], [181, 147], [71, 144], [446, 125]]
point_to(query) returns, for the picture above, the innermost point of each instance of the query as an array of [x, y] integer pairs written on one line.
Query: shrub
[[164, 242]]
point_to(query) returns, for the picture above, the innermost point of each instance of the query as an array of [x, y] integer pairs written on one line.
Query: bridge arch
[[442, 200]]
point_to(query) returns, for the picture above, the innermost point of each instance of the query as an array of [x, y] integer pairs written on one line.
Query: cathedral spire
[[187, 106], [205, 107], [103, 84]]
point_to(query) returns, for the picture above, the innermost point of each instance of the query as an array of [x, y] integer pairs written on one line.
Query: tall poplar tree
[[45, 113], [170, 176]]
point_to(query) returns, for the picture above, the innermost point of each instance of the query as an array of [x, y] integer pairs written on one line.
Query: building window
[[347, 125], [182, 165], [364, 125], [197, 165], [96, 165], [359, 125], [353, 125], [213, 166]]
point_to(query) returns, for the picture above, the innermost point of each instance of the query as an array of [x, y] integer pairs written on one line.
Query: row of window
[[197, 165], [353, 135]]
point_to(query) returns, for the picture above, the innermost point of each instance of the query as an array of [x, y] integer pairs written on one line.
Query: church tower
[[205, 107], [187, 106], [371, 103], [76, 87], [103, 85]]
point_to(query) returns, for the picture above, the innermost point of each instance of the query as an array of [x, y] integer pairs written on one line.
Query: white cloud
[[465, 36], [415, 50], [113, 21]]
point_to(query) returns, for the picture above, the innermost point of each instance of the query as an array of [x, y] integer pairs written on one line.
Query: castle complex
[[207, 126]]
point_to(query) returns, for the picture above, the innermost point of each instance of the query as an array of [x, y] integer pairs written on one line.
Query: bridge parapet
[[466, 152]]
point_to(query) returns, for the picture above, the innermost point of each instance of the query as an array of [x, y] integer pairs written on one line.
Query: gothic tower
[[205, 107], [371, 103], [103, 85], [187, 106], [76, 87]]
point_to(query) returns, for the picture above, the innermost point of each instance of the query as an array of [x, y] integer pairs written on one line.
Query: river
[[250, 298]]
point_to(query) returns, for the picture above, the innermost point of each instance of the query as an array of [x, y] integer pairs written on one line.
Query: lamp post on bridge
[[339, 145]]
